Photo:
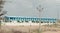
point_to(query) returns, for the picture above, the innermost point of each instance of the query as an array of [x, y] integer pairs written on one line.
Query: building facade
[[27, 19]]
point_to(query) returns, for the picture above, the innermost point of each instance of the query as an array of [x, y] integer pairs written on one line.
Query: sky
[[51, 8]]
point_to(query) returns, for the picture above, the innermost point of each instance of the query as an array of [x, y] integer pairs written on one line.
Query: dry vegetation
[[18, 29], [30, 29]]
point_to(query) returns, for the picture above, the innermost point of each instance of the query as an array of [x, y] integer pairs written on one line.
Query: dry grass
[[18, 29], [29, 29]]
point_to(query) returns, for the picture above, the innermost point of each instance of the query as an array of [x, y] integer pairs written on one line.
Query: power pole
[[40, 10]]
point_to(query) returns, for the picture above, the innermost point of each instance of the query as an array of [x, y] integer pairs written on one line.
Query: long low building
[[27, 19]]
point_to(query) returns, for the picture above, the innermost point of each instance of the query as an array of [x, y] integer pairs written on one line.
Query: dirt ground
[[28, 29]]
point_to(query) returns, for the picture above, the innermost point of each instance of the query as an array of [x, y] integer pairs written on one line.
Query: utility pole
[[57, 15], [40, 10]]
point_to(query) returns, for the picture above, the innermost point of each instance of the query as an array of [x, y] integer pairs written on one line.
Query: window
[[26, 21], [41, 22], [37, 21], [22, 21], [33, 21], [10, 21], [18, 21]]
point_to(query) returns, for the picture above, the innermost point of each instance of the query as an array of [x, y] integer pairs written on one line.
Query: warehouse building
[[27, 19]]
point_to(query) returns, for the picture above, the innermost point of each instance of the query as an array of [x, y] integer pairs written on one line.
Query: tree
[[1, 10]]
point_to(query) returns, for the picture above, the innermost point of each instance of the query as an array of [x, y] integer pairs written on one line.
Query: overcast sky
[[28, 8]]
